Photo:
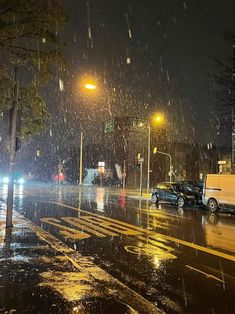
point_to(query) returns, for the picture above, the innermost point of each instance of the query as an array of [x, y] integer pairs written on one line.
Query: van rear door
[[227, 184]]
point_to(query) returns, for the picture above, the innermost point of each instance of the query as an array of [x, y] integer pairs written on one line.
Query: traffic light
[[155, 150], [138, 161]]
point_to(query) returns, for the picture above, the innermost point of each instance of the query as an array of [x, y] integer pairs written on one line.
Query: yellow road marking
[[155, 235], [155, 243], [151, 212], [152, 221], [151, 250], [117, 222], [206, 274], [78, 223], [65, 231], [86, 221], [113, 225], [200, 248], [95, 224]]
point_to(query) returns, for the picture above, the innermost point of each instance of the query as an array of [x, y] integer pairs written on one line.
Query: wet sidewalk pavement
[[40, 274]]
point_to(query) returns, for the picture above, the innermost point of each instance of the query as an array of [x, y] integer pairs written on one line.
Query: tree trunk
[[13, 120]]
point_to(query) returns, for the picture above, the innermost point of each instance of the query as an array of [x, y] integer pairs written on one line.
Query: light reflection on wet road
[[180, 259]]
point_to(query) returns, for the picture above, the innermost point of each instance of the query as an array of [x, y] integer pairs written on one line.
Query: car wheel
[[180, 202], [212, 205], [154, 199]]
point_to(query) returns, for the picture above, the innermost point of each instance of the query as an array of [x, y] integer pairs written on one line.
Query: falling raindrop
[[161, 66], [185, 9], [128, 26], [184, 293], [61, 85], [89, 32]]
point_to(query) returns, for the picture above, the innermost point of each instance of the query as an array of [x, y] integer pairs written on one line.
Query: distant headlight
[[5, 180], [21, 181]]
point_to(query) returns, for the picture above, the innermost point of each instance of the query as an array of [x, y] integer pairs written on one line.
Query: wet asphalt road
[[182, 260]]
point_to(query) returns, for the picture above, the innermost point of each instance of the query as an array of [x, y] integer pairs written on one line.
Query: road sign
[[222, 162]]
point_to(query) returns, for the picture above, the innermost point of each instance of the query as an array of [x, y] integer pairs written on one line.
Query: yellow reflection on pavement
[[129, 229], [77, 222], [220, 233], [65, 231]]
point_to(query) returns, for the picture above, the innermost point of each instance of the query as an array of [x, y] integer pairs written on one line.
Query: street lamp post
[[90, 86], [157, 119], [170, 158], [81, 159], [124, 175], [149, 144]]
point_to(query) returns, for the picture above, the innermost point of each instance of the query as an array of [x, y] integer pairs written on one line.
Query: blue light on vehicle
[[21, 181], [5, 180]]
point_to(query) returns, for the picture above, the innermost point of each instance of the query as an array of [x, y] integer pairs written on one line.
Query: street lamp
[[90, 86], [155, 120]]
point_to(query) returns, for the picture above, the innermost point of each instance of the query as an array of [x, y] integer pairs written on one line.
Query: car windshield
[[189, 187], [177, 187]]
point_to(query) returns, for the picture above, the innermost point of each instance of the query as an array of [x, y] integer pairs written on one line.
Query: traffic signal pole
[[12, 131], [124, 175], [81, 159], [148, 165], [171, 166], [141, 176], [233, 113]]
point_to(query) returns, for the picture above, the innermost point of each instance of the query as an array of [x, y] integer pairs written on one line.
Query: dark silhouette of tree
[[29, 40]]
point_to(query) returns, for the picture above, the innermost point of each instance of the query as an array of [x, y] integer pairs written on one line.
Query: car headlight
[[5, 180], [21, 181]]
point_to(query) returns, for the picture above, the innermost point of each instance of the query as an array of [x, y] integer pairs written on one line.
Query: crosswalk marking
[[65, 231]]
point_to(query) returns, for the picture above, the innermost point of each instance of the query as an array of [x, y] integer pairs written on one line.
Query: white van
[[219, 191]]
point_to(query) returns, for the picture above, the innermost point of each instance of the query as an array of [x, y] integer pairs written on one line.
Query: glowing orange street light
[[158, 119], [90, 86]]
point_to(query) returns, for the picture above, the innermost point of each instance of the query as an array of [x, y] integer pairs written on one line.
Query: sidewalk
[[40, 274]]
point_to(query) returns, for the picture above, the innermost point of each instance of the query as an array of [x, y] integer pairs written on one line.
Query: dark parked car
[[193, 188], [172, 193]]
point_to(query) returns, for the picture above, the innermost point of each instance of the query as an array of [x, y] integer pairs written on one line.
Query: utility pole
[[124, 175], [141, 174], [81, 157], [12, 131], [148, 164], [233, 113]]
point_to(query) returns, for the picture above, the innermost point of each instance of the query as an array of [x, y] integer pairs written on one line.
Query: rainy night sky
[[148, 56]]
